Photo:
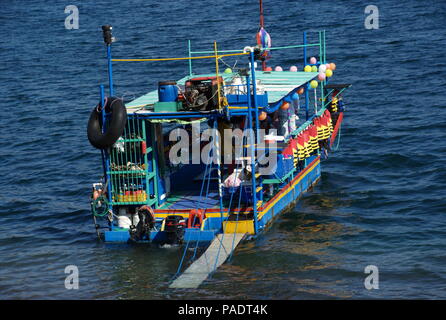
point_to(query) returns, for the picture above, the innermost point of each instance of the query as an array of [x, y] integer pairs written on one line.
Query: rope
[[100, 203]]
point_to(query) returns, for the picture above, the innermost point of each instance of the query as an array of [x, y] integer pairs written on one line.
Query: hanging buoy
[[293, 69], [228, 70], [322, 68], [285, 105], [115, 127], [313, 69], [307, 69], [300, 90], [278, 68], [333, 66], [328, 73], [262, 116], [313, 60], [269, 69]]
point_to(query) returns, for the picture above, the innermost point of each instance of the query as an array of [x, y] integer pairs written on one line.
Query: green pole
[[190, 60]]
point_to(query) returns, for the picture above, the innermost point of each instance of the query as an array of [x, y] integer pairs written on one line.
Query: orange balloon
[[262, 116], [285, 105], [332, 66], [300, 91]]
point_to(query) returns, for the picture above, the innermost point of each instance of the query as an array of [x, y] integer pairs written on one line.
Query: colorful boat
[[172, 176]]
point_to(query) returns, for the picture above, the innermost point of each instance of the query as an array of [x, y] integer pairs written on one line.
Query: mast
[[262, 22], [263, 38]]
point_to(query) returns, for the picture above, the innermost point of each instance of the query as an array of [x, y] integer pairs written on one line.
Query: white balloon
[[322, 68]]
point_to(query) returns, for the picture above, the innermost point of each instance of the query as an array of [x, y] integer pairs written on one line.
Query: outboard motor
[[145, 224], [174, 227]]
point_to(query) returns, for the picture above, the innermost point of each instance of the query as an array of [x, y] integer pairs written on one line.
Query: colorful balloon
[[322, 68], [313, 69], [314, 84], [307, 69], [293, 68], [333, 66], [321, 76], [278, 68], [313, 60], [328, 73]]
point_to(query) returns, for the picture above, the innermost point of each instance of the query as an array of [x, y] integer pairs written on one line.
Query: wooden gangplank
[[214, 256]]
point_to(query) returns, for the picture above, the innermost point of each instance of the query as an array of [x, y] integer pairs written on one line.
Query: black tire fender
[[118, 120]]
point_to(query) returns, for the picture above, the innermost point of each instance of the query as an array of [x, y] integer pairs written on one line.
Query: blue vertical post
[[251, 148], [256, 109], [104, 153], [110, 71], [254, 89], [101, 105]]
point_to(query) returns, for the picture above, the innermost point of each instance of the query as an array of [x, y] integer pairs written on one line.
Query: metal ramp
[[221, 247]]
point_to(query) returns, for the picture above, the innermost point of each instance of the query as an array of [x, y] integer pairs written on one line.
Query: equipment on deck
[[202, 93]]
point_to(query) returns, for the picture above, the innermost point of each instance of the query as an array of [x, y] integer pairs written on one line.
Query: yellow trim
[[266, 209], [216, 74], [259, 189], [202, 224], [242, 226], [186, 58]]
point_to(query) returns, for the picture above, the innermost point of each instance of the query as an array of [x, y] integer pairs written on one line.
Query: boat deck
[[276, 83]]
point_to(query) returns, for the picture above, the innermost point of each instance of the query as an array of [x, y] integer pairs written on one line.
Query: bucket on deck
[[167, 91]]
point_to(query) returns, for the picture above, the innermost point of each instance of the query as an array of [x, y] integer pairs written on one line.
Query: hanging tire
[[115, 128]]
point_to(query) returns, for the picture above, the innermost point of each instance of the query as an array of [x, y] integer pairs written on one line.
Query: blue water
[[381, 199]]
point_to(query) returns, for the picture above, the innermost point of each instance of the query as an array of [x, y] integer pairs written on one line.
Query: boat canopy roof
[[276, 83]]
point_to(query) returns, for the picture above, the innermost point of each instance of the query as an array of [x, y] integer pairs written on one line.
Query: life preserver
[[195, 218], [115, 128]]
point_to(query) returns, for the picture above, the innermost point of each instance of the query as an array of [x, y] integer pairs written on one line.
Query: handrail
[[182, 58], [272, 48]]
